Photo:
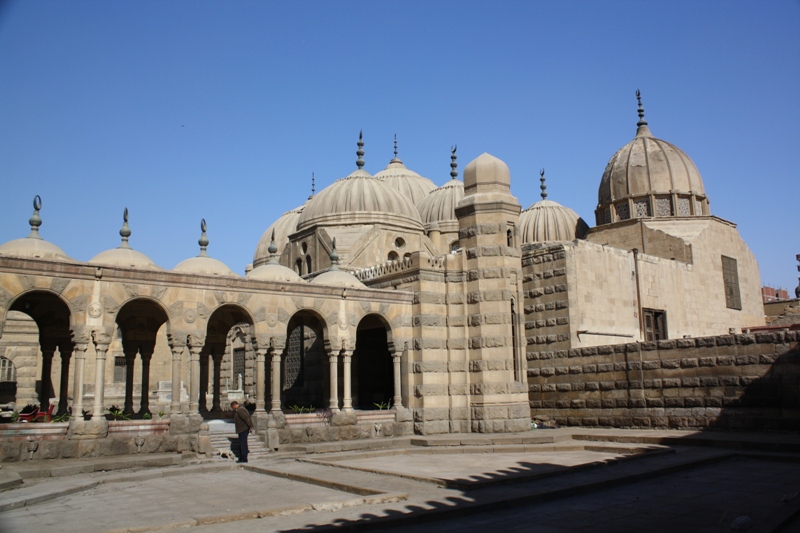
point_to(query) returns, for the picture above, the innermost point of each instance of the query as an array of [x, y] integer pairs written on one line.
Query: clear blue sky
[[184, 110]]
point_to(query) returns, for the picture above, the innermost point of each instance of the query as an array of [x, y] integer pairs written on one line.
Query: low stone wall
[[315, 427], [738, 382]]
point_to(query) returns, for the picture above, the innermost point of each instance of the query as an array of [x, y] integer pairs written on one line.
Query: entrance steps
[[222, 434]]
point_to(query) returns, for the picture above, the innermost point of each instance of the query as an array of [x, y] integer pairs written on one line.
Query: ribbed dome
[[124, 256], [549, 221], [359, 199], [33, 246], [283, 227], [650, 177], [440, 205], [407, 182]]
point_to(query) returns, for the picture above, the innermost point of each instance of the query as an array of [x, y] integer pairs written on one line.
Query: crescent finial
[[37, 202]]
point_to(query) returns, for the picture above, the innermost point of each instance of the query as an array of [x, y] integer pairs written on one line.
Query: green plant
[[64, 417], [299, 409], [117, 414], [382, 406], [15, 416], [147, 416], [161, 414]]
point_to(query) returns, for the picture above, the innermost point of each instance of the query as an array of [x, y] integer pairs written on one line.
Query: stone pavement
[[546, 480]]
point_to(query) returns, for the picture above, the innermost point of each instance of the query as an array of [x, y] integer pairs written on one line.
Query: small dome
[[203, 264], [549, 221], [124, 256], [440, 205], [649, 177], [283, 227], [275, 272], [272, 270], [486, 173], [407, 182], [359, 199], [338, 278], [33, 246]]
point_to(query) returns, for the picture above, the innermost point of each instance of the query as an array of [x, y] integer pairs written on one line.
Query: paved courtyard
[[611, 481]]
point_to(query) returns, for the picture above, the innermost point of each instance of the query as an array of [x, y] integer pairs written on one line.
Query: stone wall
[[736, 382]]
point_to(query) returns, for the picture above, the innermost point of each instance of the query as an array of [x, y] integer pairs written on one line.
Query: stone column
[[80, 339], [261, 361], [63, 396], [398, 396], [177, 351], [195, 347], [146, 354], [217, 359], [101, 342], [276, 381], [347, 401], [46, 385], [204, 363], [333, 359], [130, 362]]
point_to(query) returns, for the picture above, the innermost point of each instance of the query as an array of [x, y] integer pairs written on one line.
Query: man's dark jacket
[[242, 419]]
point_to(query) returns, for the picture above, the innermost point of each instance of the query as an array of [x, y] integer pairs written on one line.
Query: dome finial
[[273, 249], [334, 257], [35, 221], [360, 151], [453, 164], [125, 232], [642, 121], [395, 146], [543, 186], [313, 187], [203, 241]]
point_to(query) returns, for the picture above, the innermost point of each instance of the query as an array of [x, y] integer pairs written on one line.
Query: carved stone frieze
[[260, 315], [383, 309], [95, 310], [220, 296], [158, 291], [318, 303], [272, 320], [203, 311], [131, 290], [176, 309], [79, 303], [243, 298], [110, 304], [27, 282], [58, 285], [283, 316], [298, 302], [366, 306]]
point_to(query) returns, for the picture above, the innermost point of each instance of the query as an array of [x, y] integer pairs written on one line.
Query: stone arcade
[[384, 306]]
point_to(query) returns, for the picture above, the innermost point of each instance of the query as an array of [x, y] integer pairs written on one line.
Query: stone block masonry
[[737, 382]]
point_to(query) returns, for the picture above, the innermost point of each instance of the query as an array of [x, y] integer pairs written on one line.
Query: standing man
[[244, 426]]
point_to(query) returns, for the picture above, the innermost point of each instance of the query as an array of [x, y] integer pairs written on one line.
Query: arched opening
[[140, 323], [298, 267], [509, 238], [304, 369], [227, 361], [393, 256], [373, 372], [52, 318], [309, 270], [454, 247], [8, 381]]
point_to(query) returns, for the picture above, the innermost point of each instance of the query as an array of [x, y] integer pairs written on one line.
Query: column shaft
[[347, 402], [175, 405], [261, 361], [63, 393], [99, 380], [398, 397], [144, 406], [77, 381], [194, 381], [276, 382], [333, 361]]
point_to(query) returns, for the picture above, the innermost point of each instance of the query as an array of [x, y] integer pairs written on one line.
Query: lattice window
[[730, 275], [642, 208], [607, 215], [663, 207], [238, 365], [683, 207], [7, 370], [294, 358], [698, 207], [120, 369], [623, 212]]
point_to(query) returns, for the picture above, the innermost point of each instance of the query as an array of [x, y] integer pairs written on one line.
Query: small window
[[655, 325], [399, 243], [309, 270], [298, 266], [120, 369], [8, 373], [454, 247], [393, 256], [730, 275], [509, 238]]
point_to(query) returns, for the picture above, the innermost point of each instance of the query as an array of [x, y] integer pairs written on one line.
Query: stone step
[[227, 441]]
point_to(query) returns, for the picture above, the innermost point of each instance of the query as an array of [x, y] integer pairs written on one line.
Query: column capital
[[177, 338], [195, 341], [102, 339], [81, 335]]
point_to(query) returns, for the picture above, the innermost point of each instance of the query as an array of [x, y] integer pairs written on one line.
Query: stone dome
[[202, 263], [407, 182], [649, 177], [486, 173], [549, 221], [272, 270], [33, 246], [283, 227], [359, 199], [338, 278], [124, 256], [439, 207]]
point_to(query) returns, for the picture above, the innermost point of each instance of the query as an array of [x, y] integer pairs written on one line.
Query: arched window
[[454, 247], [393, 256], [8, 371], [510, 238], [309, 270], [298, 266]]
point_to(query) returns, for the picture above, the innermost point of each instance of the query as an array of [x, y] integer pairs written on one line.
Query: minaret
[[488, 218]]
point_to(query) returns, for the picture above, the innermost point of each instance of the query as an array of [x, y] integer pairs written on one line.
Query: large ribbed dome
[[549, 221], [407, 182], [359, 199], [649, 177], [33, 246], [283, 227]]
